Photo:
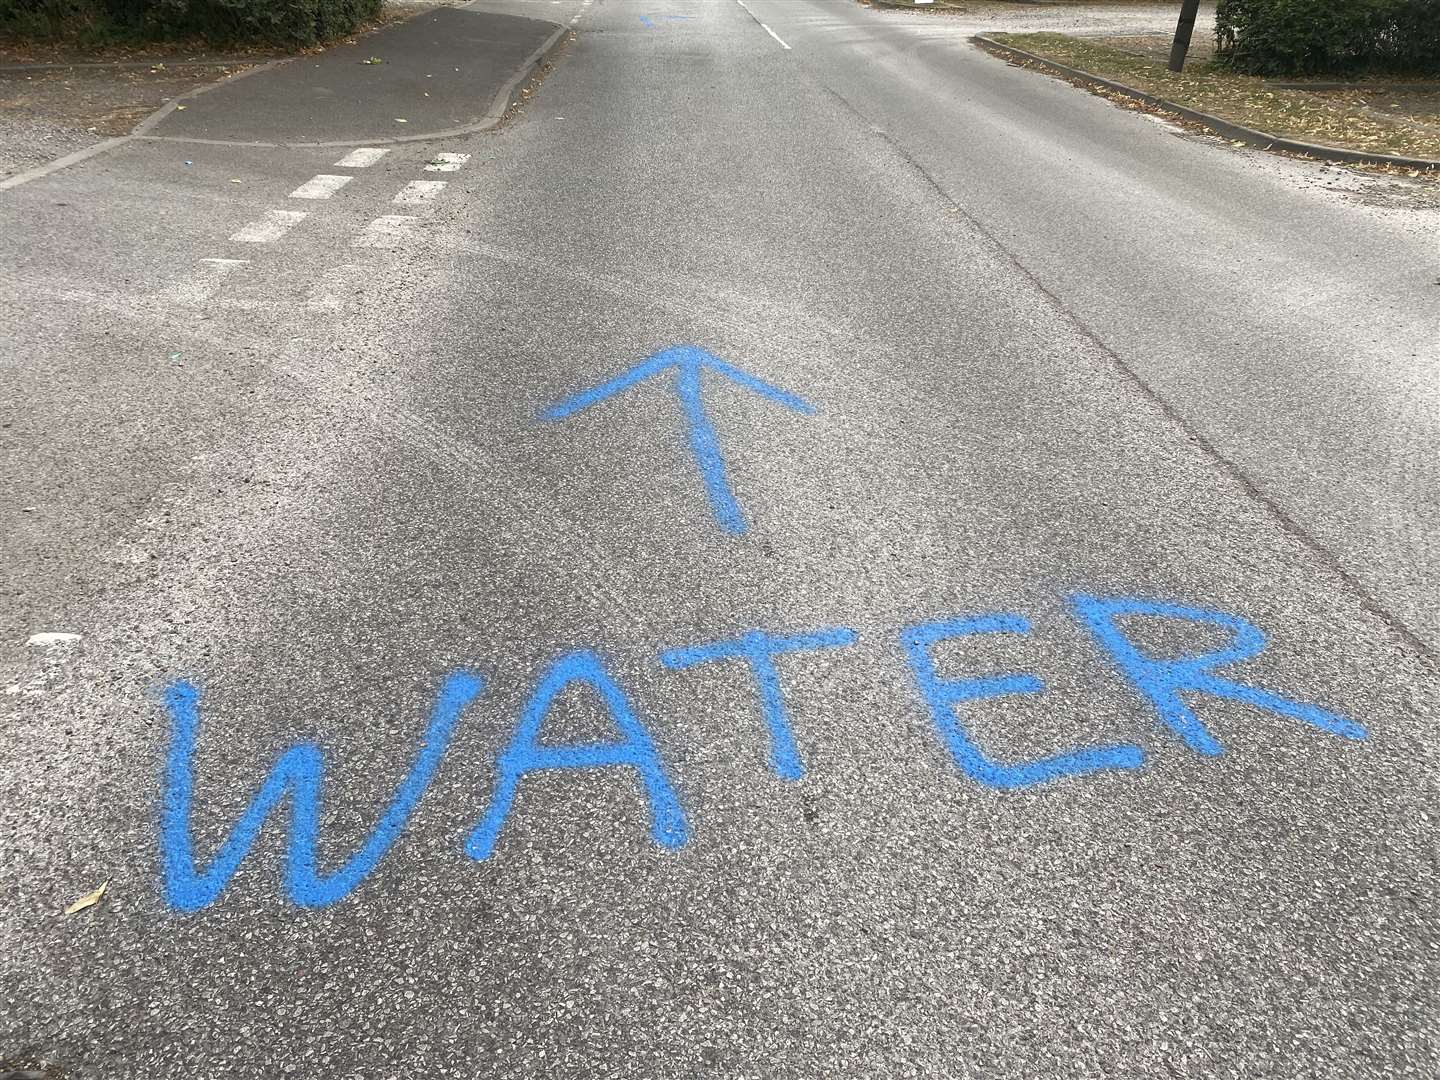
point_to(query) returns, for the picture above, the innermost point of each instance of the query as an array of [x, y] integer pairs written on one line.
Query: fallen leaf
[[181, 108], [401, 120], [88, 900], [236, 180]]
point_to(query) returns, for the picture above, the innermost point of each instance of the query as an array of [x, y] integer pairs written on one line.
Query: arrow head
[[751, 382], [686, 359], [689, 361]]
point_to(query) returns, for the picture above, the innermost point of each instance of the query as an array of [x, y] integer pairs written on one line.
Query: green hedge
[[225, 22], [47, 18], [1316, 37]]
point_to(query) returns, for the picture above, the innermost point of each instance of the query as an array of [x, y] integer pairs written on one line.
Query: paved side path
[[437, 71]]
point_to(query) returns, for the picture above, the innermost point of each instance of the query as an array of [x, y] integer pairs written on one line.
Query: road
[[994, 636]]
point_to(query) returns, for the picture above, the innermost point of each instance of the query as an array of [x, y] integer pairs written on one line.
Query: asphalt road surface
[[816, 553]]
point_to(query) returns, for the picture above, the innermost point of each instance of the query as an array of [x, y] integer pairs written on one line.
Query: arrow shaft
[[706, 448]]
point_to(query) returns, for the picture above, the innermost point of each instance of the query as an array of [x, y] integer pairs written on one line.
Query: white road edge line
[[274, 225], [320, 187], [776, 36], [361, 158], [419, 191], [762, 25]]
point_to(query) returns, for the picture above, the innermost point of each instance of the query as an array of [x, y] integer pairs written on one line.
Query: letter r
[[1161, 680]]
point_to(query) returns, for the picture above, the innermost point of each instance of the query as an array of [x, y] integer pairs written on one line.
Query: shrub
[[1313, 37], [222, 22], [49, 18], [282, 22]]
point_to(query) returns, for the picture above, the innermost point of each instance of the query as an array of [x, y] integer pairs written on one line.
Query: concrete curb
[[63, 162], [1248, 136], [499, 106], [137, 132], [145, 125]]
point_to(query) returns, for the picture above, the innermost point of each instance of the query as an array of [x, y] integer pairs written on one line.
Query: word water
[[299, 774]]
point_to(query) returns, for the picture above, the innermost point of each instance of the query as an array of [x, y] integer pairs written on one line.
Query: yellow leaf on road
[[88, 900]]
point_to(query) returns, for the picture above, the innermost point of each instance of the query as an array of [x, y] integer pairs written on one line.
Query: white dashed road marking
[[320, 187], [384, 232], [274, 225], [52, 638], [362, 158], [206, 278], [446, 162], [332, 286], [420, 191]]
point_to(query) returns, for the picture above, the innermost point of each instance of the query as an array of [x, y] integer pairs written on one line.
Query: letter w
[[300, 774]]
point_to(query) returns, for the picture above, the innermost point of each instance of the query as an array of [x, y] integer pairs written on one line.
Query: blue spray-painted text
[[299, 774]]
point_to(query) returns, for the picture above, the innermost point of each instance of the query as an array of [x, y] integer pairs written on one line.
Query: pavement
[[438, 71], [816, 552]]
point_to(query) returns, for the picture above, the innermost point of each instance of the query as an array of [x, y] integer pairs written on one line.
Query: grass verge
[[1387, 118]]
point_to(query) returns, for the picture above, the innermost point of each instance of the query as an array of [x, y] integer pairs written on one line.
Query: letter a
[[526, 754]]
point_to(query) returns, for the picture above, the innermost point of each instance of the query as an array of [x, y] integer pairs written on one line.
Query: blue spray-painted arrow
[[688, 362]]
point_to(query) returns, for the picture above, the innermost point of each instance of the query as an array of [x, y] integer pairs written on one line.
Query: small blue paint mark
[[943, 695], [1162, 680], [689, 363], [300, 774], [759, 650], [647, 22], [526, 754]]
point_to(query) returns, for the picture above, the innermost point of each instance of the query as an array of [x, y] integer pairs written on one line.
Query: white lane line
[[200, 286], [320, 187], [767, 29], [446, 162], [274, 225], [384, 232], [772, 33], [419, 191], [362, 158]]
